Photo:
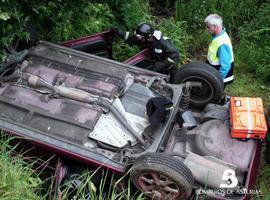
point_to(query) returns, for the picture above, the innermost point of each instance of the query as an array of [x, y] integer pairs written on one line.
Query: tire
[[212, 90], [162, 177]]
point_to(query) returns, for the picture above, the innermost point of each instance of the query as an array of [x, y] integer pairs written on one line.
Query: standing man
[[164, 53], [220, 51]]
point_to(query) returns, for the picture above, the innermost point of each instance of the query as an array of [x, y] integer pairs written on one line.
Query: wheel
[[212, 90], [162, 177]]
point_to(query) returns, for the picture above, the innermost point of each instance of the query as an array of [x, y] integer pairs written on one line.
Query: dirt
[[162, 9]]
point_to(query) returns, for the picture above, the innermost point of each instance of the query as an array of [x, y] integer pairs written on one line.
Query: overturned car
[[171, 137]]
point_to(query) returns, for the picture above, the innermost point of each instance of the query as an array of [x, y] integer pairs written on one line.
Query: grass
[[109, 188], [247, 84], [263, 183], [17, 179]]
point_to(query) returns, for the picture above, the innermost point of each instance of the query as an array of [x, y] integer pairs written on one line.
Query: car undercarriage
[[94, 110]]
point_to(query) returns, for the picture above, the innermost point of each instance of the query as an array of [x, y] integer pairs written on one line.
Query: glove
[[118, 32], [157, 109], [115, 29]]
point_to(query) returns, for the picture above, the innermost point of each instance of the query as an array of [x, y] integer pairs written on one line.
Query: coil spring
[[184, 103]]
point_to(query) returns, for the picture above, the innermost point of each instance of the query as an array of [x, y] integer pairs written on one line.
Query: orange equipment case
[[247, 118]]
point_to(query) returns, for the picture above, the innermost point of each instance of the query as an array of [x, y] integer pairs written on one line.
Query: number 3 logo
[[230, 178]]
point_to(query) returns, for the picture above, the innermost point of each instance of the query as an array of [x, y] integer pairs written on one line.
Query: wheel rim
[[203, 94], [158, 186]]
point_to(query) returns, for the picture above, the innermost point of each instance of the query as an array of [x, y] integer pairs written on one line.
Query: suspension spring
[[184, 103]]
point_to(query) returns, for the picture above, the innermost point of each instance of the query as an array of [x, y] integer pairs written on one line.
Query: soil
[[162, 9]]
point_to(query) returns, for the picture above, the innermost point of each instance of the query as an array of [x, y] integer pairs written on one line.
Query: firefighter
[[220, 51], [165, 55]]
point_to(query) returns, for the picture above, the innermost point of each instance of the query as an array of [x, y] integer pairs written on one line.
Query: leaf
[[263, 87], [34, 182], [4, 16]]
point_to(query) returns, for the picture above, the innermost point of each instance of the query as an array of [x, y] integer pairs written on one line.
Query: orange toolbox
[[247, 118]]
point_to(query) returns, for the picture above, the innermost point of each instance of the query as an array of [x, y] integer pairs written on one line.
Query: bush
[[254, 49], [12, 23], [234, 13], [176, 31], [123, 51], [57, 21], [66, 20], [130, 13], [53, 20]]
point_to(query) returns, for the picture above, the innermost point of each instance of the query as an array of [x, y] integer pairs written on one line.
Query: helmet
[[145, 30]]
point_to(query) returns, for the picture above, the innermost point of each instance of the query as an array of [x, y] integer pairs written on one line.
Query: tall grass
[[109, 187], [176, 32], [17, 178], [234, 13], [263, 183], [130, 13], [254, 47], [19, 181]]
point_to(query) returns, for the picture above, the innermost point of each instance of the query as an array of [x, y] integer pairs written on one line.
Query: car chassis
[[92, 109]]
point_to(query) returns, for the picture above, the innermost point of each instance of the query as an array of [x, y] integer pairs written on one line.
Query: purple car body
[[91, 109]]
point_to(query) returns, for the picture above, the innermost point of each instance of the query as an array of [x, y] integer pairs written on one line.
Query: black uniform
[[164, 53]]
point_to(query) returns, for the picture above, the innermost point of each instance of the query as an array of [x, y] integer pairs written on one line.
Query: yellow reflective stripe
[[230, 78], [170, 60], [126, 36]]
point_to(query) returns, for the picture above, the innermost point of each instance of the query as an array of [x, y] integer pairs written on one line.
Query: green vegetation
[[129, 13], [66, 20], [246, 21], [176, 31], [234, 13], [17, 179], [54, 20], [263, 183], [245, 85], [110, 187], [254, 48]]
